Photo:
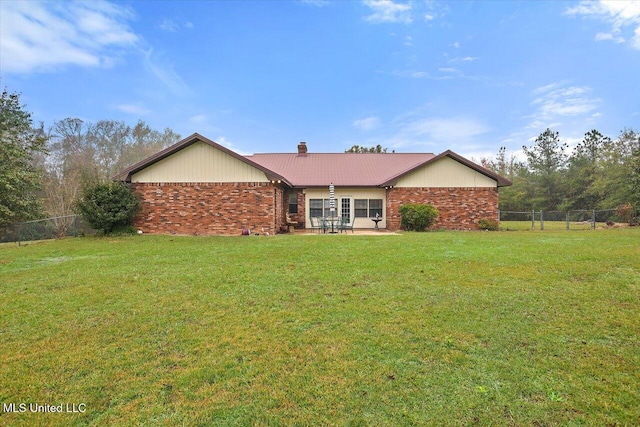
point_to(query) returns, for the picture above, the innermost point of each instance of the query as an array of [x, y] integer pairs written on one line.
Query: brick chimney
[[302, 149]]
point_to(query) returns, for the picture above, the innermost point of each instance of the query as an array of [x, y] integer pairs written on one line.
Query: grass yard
[[442, 328]]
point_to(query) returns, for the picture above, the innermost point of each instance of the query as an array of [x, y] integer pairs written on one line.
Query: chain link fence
[[43, 229], [586, 219]]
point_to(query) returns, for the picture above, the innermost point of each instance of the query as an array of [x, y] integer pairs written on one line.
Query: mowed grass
[[442, 328]]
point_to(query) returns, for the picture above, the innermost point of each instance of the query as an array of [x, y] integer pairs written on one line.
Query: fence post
[[593, 219], [533, 219], [541, 221], [567, 221], [19, 232]]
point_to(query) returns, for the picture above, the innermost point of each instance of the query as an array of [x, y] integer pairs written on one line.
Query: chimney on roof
[[302, 149]]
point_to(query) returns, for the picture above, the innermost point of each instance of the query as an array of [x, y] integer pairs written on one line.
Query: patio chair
[[315, 223], [344, 224], [324, 225]]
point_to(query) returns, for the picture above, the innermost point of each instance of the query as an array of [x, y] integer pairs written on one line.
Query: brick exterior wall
[[460, 208], [298, 217], [209, 208]]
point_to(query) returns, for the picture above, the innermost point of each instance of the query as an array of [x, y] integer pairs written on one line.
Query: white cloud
[[132, 109], [463, 59], [44, 36], [609, 36], [413, 74], [620, 15], [554, 101], [367, 124], [429, 17], [386, 11]]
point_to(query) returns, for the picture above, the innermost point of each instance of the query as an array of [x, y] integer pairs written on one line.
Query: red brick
[[209, 208], [460, 208]]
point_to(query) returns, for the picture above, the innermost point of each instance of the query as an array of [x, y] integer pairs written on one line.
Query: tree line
[[45, 171], [599, 173]]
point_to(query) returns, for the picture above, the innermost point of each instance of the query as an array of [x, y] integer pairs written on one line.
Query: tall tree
[[618, 178], [547, 160], [109, 137], [585, 164], [515, 197], [73, 152], [20, 144]]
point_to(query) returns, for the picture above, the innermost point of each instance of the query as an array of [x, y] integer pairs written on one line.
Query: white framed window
[[367, 208]]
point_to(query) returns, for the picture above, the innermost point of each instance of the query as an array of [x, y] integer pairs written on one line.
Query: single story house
[[197, 186]]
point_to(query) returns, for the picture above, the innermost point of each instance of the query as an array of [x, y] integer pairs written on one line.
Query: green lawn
[[444, 328]]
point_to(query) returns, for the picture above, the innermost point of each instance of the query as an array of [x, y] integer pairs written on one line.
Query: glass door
[[345, 208]]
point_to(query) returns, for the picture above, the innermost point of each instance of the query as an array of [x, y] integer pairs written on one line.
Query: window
[[293, 203], [361, 208], [367, 208], [375, 207], [315, 208], [319, 208]]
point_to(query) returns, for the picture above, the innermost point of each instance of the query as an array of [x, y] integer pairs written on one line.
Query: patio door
[[346, 207]]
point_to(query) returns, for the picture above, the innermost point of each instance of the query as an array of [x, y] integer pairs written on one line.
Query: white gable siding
[[200, 162], [445, 172]]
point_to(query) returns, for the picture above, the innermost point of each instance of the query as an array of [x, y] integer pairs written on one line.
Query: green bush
[[109, 206], [417, 217], [489, 224]]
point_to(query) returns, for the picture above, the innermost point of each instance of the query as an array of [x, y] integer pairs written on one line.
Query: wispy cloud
[[204, 123], [463, 59], [425, 131], [132, 109], [622, 16], [316, 3], [44, 36], [172, 26], [416, 74], [169, 25], [452, 130], [386, 11], [165, 72], [367, 124], [554, 101]]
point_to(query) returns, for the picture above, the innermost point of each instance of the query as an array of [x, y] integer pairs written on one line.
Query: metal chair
[[315, 224], [344, 224]]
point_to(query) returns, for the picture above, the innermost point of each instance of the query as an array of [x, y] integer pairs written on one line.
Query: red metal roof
[[341, 169], [321, 169]]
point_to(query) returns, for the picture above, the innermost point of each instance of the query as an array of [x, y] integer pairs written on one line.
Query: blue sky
[[259, 76]]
